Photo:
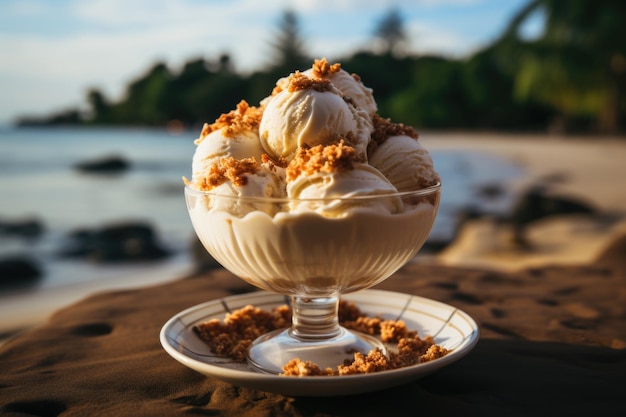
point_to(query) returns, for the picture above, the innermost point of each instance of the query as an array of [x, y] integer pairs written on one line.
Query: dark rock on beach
[[535, 203], [106, 165], [28, 228], [18, 271], [538, 203], [120, 242]]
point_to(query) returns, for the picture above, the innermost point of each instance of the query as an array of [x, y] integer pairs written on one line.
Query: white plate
[[449, 326]]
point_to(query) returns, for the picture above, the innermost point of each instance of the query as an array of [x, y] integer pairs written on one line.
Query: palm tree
[[390, 31], [289, 51], [578, 64]]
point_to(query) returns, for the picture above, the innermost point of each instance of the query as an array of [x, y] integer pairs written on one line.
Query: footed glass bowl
[[313, 250]]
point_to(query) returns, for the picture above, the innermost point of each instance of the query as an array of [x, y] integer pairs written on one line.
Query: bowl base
[[271, 352]]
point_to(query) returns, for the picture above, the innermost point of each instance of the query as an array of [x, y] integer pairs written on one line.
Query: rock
[[18, 271], [121, 242], [105, 165], [28, 228], [537, 203], [491, 191]]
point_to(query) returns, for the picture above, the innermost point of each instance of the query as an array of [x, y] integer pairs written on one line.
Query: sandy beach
[[552, 342], [589, 168]]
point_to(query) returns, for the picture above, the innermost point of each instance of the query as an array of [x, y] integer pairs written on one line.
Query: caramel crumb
[[309, 161], [281, 162], [227, 169], [296, 367], [374, 361], [298, 81], [393, 331], [434, 352], [385, 128], [243, 118], [322, 68], [233, 336]]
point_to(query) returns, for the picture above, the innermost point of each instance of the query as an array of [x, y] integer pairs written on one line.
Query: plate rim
[[235, 376]]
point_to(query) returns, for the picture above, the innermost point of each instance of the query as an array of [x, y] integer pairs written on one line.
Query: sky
[[53, 51]]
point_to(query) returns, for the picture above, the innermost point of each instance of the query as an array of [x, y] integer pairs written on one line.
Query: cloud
[[107, 43], [427, 38]]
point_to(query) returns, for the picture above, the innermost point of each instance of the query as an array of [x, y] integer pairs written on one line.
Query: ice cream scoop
[[237, 178], [317, 136], [306, 113], [350, 85], [336, 172], [234, 134], [400, 157]]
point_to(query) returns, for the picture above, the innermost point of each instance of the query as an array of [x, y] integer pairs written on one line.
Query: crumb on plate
[[232, 336]]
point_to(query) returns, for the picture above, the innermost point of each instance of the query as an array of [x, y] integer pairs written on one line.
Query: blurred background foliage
[[570, 77]]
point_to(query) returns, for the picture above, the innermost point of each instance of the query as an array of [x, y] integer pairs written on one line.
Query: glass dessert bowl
[[313, 250]]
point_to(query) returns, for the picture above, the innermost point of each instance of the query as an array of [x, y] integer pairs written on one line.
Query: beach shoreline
[[585, 168], [21, 310]]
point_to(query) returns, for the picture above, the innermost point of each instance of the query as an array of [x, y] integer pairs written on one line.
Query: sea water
[[38, 179]]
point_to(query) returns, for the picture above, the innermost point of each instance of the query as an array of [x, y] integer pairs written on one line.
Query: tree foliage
[[289, 46], [578, 65], [575, 71]]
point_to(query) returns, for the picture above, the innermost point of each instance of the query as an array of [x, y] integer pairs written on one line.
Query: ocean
[[38, 180]]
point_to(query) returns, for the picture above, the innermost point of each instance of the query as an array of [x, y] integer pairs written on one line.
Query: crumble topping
[[322, 68], [232, 337], [243, 118], [227, 169], [385, 128], [309, 161], [281, 162], [298, 81], [356, 77]]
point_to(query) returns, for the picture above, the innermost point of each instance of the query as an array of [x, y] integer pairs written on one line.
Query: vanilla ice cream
[[300, 194], [350, 85], [216, 146], [241, 190], [306, 112], [234, 135], [304, 253], [331, 173], [401, 158]]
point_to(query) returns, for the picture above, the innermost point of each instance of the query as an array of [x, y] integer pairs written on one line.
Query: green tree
[[488, 90], [578, 64], [183, 105], [146, 98], [100, 108], [434, 98], [289, 52], [384, 74]]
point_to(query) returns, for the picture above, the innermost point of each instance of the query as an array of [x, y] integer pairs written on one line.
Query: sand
[[21, 310], [590, 169], [553, 342]]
